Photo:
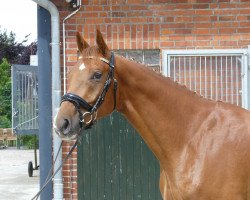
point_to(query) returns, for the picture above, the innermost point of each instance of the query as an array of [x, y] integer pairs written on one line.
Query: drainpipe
[[56, 89], [79, 3]]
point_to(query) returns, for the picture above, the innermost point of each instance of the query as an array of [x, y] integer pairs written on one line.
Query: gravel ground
[[15, 184]]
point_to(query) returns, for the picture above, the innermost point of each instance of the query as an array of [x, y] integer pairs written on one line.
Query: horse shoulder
[[217, 158]]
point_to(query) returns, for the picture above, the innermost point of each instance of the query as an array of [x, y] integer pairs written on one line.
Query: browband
[[101, 58]]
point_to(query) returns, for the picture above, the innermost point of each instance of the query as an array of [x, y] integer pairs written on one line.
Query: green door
[[115, 164]]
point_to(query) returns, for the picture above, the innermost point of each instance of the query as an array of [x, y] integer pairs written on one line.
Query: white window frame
[[166, 54]]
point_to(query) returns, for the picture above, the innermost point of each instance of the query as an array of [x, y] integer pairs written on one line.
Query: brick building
[[153, 25]]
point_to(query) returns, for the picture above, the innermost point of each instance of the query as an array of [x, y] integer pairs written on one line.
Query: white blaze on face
[[82, 66]]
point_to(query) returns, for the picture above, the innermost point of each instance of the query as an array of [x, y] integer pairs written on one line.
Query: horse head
[[91, 90]]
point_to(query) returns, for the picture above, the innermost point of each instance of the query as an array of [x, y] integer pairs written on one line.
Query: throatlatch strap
[[115, 89]]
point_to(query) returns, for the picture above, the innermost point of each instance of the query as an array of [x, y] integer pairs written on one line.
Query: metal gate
[[24, 99], [215, 74], [115, 163]]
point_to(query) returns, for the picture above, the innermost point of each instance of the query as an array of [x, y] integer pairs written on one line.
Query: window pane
[[135, 55], [151, 57], [121, 52]]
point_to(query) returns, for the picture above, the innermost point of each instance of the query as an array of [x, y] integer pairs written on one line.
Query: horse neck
[[158, 108]]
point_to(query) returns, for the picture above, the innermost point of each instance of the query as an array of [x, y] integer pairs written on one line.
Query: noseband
[[79, 102]]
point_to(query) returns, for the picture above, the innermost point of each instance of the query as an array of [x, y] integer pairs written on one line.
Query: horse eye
[[97, 76]]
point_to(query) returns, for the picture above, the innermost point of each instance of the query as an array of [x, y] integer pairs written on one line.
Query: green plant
[[5, 94], [30, 141]]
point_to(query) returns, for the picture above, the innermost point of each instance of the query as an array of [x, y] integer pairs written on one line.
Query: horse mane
[[168, 80]]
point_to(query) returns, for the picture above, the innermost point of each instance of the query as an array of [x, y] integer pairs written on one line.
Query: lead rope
[[47, 181], [71, 98]]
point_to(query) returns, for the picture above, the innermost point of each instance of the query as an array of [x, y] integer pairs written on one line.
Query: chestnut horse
[[203, 146]]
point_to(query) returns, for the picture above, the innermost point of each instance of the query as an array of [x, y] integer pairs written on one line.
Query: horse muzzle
[[65, 129]]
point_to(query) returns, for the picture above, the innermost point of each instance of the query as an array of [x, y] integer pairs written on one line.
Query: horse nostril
[[65, 124]]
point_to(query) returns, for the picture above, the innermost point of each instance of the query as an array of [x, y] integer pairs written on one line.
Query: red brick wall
[[70, 172], [172, 24], [156, 24]]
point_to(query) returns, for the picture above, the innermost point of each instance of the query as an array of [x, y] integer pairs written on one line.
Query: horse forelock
[[91, 51]]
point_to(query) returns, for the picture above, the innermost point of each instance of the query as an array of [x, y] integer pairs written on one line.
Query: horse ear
[[101, 43], [81, 43]]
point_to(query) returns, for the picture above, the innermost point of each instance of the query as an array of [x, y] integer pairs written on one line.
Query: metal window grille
[[24, 99], [214, 74]]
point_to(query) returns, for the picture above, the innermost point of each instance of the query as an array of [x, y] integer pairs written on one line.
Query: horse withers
[[203, 146]]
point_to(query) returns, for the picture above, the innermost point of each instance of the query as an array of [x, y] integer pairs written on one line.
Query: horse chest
[[199, 178]]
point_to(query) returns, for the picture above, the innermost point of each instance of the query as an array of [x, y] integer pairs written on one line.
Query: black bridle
[[79, 102]]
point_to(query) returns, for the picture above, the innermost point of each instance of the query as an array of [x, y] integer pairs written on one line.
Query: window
[[151, 58], [215, 74]]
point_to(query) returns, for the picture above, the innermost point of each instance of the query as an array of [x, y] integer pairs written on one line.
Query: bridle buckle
[[92, 117]]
